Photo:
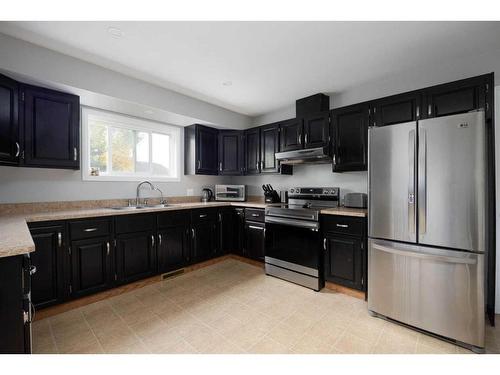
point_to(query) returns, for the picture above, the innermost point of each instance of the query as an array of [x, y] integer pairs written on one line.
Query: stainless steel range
[[293, 239]]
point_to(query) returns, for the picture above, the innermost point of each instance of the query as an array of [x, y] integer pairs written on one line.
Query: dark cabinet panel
[[350, 138], [317, 130], [12, 326], [455, 97], [226, 227], [255, 240], [269, 145], [231, 152], [51, 128], [291, 135], [252, 147], [204, 241], [396, 109], [239, 230], [91, 265], [344, 261], [135, 256], [200, 150], [173, 248], [10, 144], [49, 258]]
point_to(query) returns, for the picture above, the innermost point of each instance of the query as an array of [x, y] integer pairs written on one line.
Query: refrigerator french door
[[427, 225]]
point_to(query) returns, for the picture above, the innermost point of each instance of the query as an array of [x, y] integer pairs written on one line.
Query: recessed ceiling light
[[227, 83], [116, 32]]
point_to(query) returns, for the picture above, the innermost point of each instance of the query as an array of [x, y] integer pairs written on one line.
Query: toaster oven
[[234, 193]]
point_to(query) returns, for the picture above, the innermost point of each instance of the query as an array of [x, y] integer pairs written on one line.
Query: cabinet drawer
[[173, 219], [135, 223], [89, 228], [203, 215], [353, 226], [254, 214]]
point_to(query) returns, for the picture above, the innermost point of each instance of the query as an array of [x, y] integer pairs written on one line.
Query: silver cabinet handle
[[334, 159], [59, 239], [324, 243], [32, 270], [255, 227], [220, 217], [159, 240], [90, 229], [299, 139], [418, 112], [203, 215], [107, 248], [18, 149], [199, 164], [255, 215], [342, 225], [75, 154], [152, 240], [192, 233], [429, 109], [220, 166], [305, 139], [257, 166]]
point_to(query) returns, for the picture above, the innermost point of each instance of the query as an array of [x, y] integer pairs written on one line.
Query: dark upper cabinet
[[252, 147], [317, 130], [51, 128], [344, 261], [10, 144], [231, 152], [292, 137], [173, 248], [200, 150], [50, 259], [456, 97], [254, 240], [350, 138], [396, 109], [90, 265], [269, 145], [135, 256]]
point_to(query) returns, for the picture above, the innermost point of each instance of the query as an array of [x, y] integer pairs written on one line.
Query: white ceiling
[[270, 64]]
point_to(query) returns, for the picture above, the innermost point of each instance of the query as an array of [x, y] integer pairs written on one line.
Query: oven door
[[293, 244]]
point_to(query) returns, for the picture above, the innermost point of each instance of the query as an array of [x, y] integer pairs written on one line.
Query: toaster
[[355, 200]]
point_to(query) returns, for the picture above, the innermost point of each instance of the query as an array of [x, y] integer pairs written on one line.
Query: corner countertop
[[16, 239]]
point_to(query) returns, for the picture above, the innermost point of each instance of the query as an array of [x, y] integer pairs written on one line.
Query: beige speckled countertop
[[15, 238]]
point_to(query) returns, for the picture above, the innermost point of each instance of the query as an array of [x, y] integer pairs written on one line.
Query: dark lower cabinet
[[344, 261], [90, 266], [345, 255], [255, 240], [10, 144], [239, 231], [173, 248], [350, 138], [49, 284], [135, 256], [204, 241], [51, 128], [15, 336], [226, 229]]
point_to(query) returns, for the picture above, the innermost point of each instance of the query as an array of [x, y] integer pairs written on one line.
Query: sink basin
[[140, 207]]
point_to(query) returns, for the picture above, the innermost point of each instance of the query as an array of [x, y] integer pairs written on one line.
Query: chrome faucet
[[152, 187]]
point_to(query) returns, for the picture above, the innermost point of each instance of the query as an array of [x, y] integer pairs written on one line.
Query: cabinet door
[[227, 233], [135, 256], [397, 109], [10, 146], [48, 285], [456, 97], [350, 138], [252, 147], [230, 152], [254, 240], [204, 240], [172, 249], [269, 145], [206, 150], [344, 261], [91, 265], [239, 231], [317, 130], [52, 128], [291, 135]]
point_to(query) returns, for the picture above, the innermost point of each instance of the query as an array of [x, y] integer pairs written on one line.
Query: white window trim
[[134, 123]]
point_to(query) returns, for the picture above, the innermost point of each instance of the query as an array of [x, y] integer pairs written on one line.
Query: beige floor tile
[[368, 330], [148, 328], [267, 345], [435, 344], [395, 344], [350, 344], [81, 343], [175, 347], [287, 335], [245, 336], [310, 343], [137, 316]]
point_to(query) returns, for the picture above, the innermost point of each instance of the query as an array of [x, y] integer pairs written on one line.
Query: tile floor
[[231, 307]]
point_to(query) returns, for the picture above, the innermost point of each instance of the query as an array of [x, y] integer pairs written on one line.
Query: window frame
[[136, 124]]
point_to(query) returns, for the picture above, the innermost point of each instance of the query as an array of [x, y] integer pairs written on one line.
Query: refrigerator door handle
[[422, 181], [411, 182], [433, 257]]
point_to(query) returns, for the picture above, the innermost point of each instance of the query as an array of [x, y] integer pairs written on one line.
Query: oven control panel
[[310, 191]]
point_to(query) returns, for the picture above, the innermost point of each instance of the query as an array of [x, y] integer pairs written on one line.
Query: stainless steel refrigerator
[[427, 225]]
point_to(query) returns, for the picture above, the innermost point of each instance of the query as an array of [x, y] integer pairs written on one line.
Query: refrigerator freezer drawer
[[440, 291]]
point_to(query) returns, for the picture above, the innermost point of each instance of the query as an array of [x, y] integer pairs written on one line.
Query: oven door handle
[[313, 225]]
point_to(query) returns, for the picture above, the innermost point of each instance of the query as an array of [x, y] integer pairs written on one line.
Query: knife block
[[272, 197]]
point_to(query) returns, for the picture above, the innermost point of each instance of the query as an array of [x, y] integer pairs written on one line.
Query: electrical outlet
[[190, 192]]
